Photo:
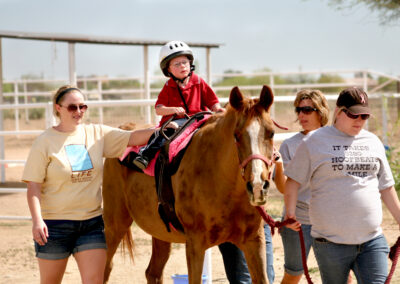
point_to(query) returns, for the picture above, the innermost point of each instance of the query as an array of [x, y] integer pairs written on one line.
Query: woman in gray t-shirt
[[348, 174], [312, 112]]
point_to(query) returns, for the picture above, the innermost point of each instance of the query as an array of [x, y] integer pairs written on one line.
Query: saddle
[[167, 165]]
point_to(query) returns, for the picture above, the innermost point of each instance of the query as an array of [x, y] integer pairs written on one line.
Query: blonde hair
[[59, 96], [318, 100]]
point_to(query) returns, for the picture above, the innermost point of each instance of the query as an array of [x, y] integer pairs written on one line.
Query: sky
[[282, 35]]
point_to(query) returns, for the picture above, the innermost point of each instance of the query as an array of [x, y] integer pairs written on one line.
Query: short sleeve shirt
[[70, 168], [197, 94], [345, 174]]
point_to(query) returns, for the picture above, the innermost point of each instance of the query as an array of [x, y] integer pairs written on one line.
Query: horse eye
[[272, 134]]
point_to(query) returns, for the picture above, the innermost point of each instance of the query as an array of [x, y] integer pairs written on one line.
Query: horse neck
[[220, 135]]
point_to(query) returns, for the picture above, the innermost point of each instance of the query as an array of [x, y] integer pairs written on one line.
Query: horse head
[[254, 132]]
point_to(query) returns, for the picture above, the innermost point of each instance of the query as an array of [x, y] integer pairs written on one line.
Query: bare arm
[[217, 108], [141, 136], [290, 197], [391, 200], [164, 110], [279, 177], [39, 228]]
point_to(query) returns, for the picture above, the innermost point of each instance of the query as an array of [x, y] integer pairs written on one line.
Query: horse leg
[[159, 257], [254, 252], [195, 259], [115, 232]]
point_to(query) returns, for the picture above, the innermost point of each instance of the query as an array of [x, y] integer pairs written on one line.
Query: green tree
[[388, 10]]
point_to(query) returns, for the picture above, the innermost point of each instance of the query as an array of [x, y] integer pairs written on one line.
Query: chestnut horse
[[223, 175]]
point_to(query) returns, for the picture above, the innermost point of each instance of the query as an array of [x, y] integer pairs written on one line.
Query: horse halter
[[267, 161]]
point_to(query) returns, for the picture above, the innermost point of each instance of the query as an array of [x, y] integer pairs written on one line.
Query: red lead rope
[[393, 255], [278, 225]]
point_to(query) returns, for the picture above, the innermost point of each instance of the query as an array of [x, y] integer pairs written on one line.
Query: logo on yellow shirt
[[80, 161]]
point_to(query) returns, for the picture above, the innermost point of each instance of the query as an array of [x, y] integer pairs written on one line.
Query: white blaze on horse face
[[256, 164]]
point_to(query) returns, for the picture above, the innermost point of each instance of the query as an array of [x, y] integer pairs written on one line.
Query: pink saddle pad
[[174, 148]]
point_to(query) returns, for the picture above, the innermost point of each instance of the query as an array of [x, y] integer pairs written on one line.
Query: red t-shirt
[[197, 94]]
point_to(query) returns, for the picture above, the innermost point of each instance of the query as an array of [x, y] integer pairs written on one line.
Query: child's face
[[179, 67]]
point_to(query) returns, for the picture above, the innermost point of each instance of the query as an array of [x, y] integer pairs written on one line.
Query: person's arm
[[391, 200], [279, 177], [141, 136], [290, 197], [39, 228], [217, 108], [164, 110]]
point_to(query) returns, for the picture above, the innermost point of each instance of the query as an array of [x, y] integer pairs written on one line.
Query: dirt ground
[[18, 264]]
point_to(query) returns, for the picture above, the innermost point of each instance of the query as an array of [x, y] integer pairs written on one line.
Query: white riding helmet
[[171, 50]]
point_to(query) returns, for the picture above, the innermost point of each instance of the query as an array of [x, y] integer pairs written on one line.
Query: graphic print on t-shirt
[[81, 164], [355, 160]]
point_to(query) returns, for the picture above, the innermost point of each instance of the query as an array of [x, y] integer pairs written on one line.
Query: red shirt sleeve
[[209, 98]]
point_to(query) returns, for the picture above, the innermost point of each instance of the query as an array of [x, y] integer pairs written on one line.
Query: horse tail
[[128, 244]]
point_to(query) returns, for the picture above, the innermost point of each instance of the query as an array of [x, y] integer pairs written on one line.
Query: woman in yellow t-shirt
[[64, 173]]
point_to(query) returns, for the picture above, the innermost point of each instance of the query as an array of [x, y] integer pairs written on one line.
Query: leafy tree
[[388, 10]]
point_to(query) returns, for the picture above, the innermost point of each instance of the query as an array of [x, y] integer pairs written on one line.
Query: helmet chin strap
[[192, 67]]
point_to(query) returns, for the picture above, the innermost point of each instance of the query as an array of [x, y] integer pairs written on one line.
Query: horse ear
[[266, 97], [236, 98]]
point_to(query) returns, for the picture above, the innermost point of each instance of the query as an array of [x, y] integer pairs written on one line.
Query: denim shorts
[[67, 237], [292, 248], [368, 260]]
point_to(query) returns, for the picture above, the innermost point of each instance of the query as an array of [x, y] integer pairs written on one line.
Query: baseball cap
[[355, 100]]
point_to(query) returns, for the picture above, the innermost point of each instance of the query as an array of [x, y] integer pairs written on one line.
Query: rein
[[393, 254]]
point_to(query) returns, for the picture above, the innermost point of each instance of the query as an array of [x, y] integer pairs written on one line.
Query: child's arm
[[217, 108], [163, 110]]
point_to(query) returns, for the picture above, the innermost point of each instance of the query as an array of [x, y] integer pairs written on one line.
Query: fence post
[[398, 100], [100, 98], [26, 101], [50, 119], [16, 102], [2, 166], [384, 108], [365, 87]]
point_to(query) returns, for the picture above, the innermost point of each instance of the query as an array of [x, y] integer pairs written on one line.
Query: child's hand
[[173, 125], [221, 109], [179, 110]]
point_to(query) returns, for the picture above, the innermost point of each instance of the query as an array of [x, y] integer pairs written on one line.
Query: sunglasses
[[305, 110], [73, 108], [355, 116]]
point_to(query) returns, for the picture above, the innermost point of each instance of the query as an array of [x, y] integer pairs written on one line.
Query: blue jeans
[[292, 248], [368, 261], [235, 263]]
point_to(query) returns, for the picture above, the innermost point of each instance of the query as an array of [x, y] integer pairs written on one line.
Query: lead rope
[[393, 255], [279, 225]]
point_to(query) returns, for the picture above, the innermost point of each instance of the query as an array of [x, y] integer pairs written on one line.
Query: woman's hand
[[276, 156], [295, 226], [40, 232]]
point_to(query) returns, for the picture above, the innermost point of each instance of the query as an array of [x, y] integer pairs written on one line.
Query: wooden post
[[2, 168], [398, 100]]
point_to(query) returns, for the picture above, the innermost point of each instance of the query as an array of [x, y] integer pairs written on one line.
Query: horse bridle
[[268, 162]]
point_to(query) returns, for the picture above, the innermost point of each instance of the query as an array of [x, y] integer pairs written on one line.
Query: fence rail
[[95, 96]]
